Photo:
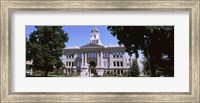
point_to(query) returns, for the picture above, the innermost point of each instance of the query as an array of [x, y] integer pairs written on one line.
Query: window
[[105, 55], [79, 64], [121, 55], [94, 55], [121, 63], [71, 56], [113, 55], [114, 64], [72, 63], [69, 63], [66, 63], [104, 63], [80, 55], [117, 55], [117, 63], [91, 55]]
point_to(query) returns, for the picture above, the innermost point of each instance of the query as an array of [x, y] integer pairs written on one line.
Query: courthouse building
[[94, 58]]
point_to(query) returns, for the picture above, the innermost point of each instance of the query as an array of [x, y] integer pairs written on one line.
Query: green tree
[[28, 56], [134, 72], [155, 42], [45, 47], [146, 70]]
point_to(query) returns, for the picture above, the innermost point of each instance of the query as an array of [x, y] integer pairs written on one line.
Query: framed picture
[[100, 51]]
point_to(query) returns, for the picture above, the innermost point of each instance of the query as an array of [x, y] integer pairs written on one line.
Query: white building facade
[[96, 59]]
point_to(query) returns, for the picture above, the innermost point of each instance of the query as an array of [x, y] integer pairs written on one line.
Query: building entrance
[[92, 67]]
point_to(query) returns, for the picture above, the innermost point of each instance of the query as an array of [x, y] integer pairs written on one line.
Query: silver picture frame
[[8, 6]]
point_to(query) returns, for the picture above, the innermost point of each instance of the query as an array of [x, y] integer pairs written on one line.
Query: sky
[[80, 35]]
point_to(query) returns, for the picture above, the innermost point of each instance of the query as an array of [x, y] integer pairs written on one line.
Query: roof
[[92, 45], [110, 46], [72, 47]]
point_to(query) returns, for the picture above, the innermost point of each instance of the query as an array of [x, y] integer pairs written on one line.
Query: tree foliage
[[45, 47], [134, 70], [146, 70], [155, 42]]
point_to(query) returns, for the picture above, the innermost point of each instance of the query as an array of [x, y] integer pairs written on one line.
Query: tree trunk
[[46, 73], [153, 72], [148, 61]]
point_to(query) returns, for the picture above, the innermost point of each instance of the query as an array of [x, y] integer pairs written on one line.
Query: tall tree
[[155, 42], [134, 70], [45, 47], [146, 70]]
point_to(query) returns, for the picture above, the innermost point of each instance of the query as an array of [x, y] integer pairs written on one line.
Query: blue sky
[[80, 35]]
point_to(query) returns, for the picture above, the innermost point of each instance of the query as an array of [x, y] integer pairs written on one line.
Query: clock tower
[[95, 36]]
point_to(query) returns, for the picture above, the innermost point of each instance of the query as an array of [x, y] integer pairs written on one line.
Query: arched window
[[118, 63]]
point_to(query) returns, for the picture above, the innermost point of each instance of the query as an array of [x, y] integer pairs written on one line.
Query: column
[[101, 59], [97, 59], [82, 62], [90, 72], [124, 61], [110, 62], [67, 71], [75, 56], [31, 72], [85, 59]]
